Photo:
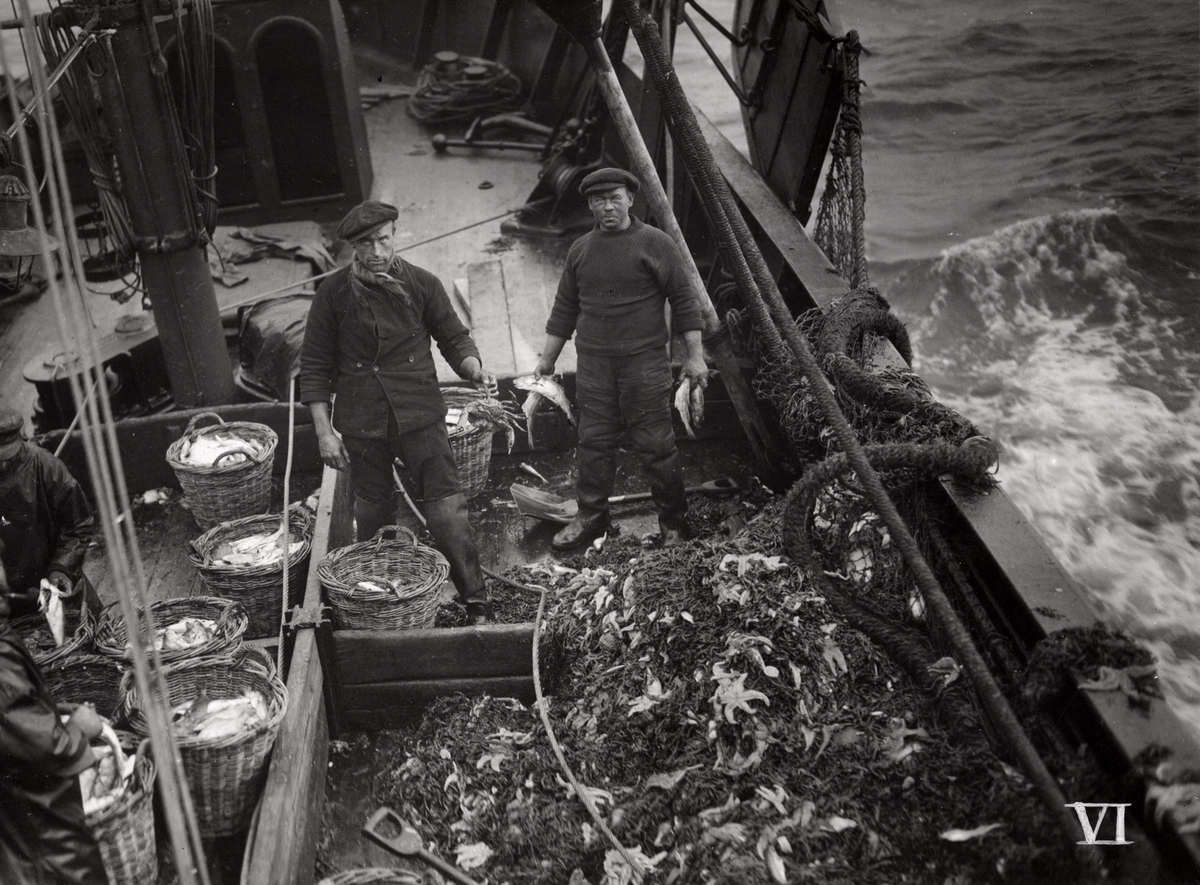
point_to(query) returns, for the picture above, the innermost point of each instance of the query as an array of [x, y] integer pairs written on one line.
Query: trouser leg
[[599, 431], [426, 452], [645, 390], [449, 523], [371, 479]]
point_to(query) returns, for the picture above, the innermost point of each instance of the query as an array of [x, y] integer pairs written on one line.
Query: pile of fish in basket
[[226, 705], [226, 699]]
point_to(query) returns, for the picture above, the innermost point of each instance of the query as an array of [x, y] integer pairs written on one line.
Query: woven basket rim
[[275, 692], [202, 547], [333, 582], [231, 616], [255, 430], [83, 633]]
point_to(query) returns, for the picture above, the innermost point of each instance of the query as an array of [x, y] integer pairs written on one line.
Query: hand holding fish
[[87, 720], [59, 579], [544, 367], [695, 370]]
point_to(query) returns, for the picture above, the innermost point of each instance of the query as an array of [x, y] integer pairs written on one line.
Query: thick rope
[[104, 463], [285, 528], [635, 866], [705, 171]]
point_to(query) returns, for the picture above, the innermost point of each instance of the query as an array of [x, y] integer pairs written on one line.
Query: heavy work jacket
[[371, 347], [45, 519], [43, 834]]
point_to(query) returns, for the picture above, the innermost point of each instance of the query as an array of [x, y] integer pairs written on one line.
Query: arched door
[[291, 75]]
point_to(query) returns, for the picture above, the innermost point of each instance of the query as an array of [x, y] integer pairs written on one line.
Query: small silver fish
[[689, 402], [541, 387]]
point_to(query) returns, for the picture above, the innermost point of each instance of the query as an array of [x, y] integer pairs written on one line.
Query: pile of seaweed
[[730, 727]]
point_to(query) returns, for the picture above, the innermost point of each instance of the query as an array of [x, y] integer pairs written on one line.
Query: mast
[[168, 236]]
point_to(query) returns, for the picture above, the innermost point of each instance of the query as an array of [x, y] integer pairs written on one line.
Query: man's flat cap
[[610, 176], [364, 218], [11, 424]]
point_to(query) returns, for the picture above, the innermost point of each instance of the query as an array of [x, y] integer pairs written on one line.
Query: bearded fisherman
[[367, 347]]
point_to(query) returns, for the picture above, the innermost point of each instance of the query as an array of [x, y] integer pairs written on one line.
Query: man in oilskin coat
[[44, 838], [367, 340], [45, 519], [615, 282]]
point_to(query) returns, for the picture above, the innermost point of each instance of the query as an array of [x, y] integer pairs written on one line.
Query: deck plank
[[489, 317]]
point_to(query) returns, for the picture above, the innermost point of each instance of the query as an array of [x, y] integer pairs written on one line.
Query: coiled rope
[[463, 89], [773, 321]]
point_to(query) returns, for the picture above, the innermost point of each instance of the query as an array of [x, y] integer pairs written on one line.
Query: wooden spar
[[155, 179], [764, 442], [282, 844]]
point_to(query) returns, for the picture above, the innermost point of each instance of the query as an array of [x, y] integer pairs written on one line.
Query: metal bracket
[[306, 618]]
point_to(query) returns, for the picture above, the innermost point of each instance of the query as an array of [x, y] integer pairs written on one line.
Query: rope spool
[[456, 87]]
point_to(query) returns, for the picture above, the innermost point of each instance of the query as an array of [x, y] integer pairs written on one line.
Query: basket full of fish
[[225, 713], [224, 468], [243, 560], [388, 582], [471, 422], [184, 628], [118, 807]]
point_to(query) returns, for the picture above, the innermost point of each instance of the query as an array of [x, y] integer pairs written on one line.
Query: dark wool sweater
[[612, 291]]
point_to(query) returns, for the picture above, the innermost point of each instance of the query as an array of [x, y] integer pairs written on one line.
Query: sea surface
[[1033, 214]]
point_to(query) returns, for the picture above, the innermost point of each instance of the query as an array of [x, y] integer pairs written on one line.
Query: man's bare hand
[[486, 381], [695, 369], [60, 580], [87, 720], [333, 451], [544, 367]]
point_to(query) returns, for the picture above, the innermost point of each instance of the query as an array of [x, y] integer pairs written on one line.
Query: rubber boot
[[448, 522], [370, 517], [579, 531]]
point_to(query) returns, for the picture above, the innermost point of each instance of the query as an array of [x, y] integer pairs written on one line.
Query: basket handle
[[191, 425], [240, 450], [395, 530]]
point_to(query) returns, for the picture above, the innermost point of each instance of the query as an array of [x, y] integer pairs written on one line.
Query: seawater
[[1033, 214]]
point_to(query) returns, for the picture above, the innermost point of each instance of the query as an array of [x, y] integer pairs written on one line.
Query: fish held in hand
[[689, 403], [541, 388], [50, 603]]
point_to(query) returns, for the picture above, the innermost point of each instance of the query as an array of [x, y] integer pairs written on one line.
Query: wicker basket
[[370, 875], [470, 443], [112, 634], [394, 554], [258, 588], [221, 492], [125, 830], [225, 775], [84, 678], [80, 628]]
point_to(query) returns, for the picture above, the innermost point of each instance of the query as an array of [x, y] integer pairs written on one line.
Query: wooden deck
[[506, 284]]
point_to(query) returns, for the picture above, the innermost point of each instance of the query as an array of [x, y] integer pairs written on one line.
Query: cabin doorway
[[291, 77]]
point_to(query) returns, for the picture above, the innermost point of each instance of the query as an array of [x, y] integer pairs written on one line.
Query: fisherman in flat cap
[[616, 280], [45, 520], [367, 341]]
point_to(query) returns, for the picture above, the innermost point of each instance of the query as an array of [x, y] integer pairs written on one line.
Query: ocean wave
[[887, 110]]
